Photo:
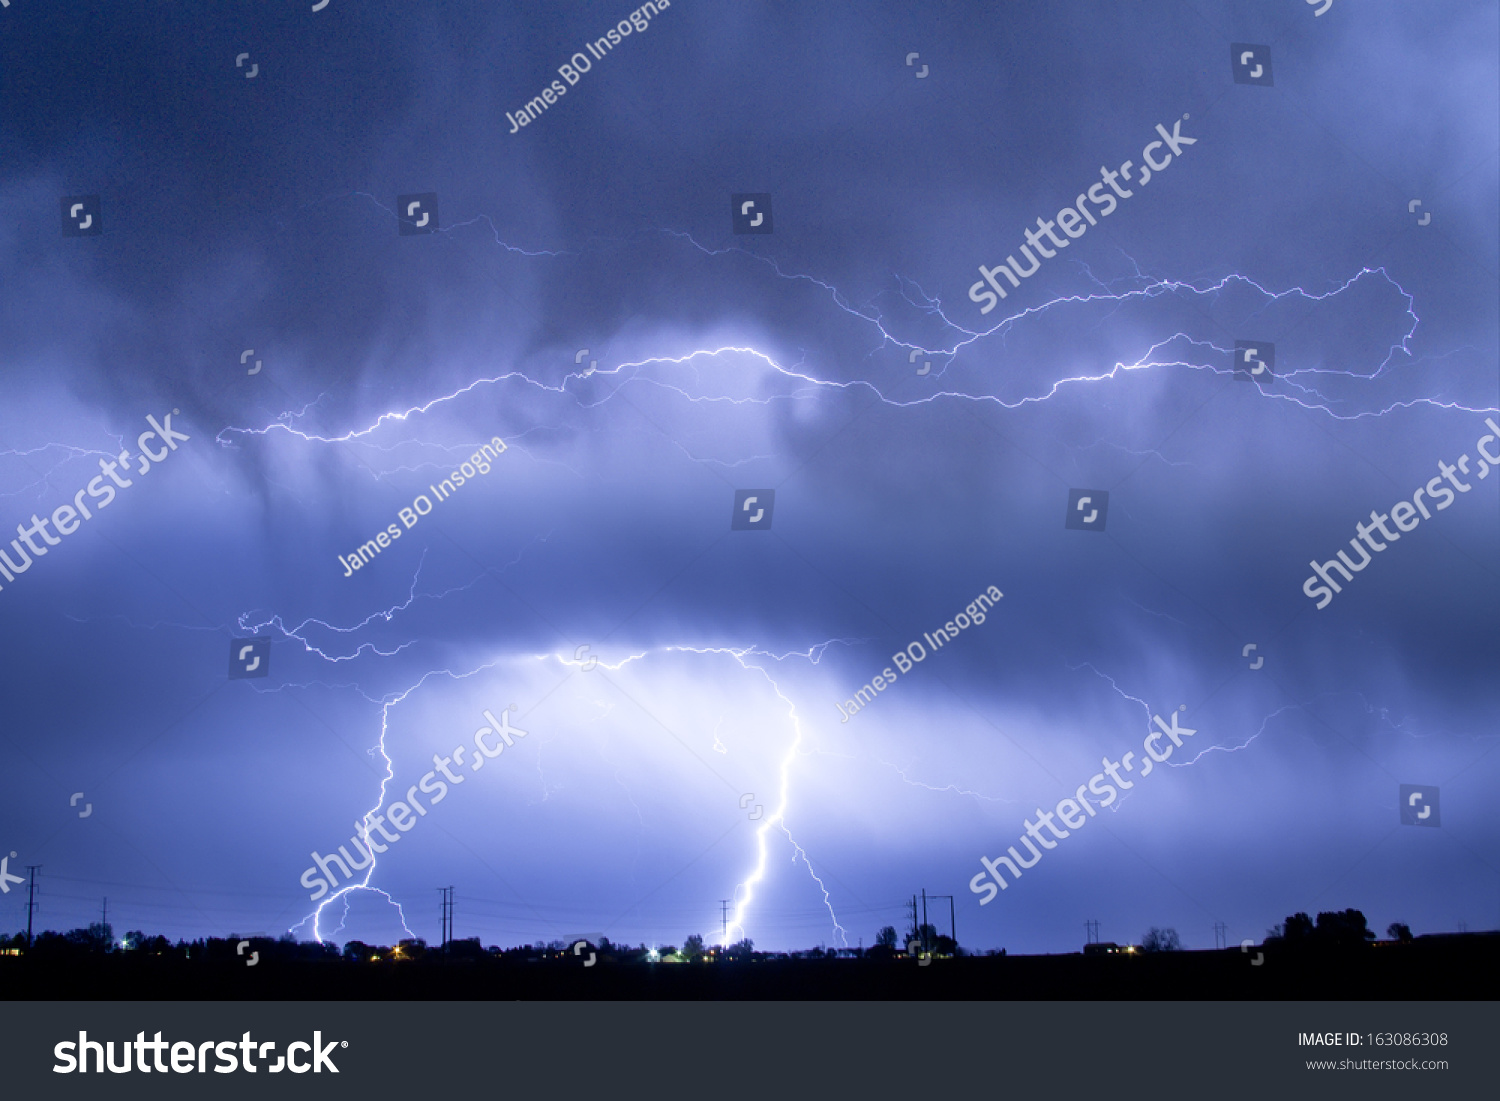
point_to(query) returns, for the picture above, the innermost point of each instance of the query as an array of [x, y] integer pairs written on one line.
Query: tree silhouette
[[1334, 929], [137, 941], [692, 948], [1298, 928], [1343, 929], [96, 938], [1398, 931], [886, 938], [1161, 940]]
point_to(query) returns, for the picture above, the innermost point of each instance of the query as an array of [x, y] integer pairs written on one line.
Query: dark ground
[[1457, 967]]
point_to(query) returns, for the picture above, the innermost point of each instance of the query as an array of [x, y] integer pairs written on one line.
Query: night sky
[[586, 300]]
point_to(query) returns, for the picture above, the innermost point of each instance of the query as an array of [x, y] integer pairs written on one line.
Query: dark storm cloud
[[260, 213]]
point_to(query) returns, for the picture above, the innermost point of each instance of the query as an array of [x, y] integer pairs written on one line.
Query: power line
[[169, 888]]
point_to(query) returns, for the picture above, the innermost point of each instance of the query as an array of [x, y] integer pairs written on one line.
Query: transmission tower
[[447, 916], [31, 901]]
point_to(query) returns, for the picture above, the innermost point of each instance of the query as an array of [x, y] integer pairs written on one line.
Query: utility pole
[[724, 914], [104, 916], [31, 901], [1091, 932], [1221, 933], [926, 947], [447, 916], [924, 929]]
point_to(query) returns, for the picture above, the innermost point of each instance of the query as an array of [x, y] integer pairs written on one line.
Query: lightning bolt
[[954, 788], [363, 826], [460, 225], [1265, 721], [1242, 745], [70, 452], [1152, 288], [1180, 350], [745, 890], [246, 623], [1295, 385], [1145, 707]]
